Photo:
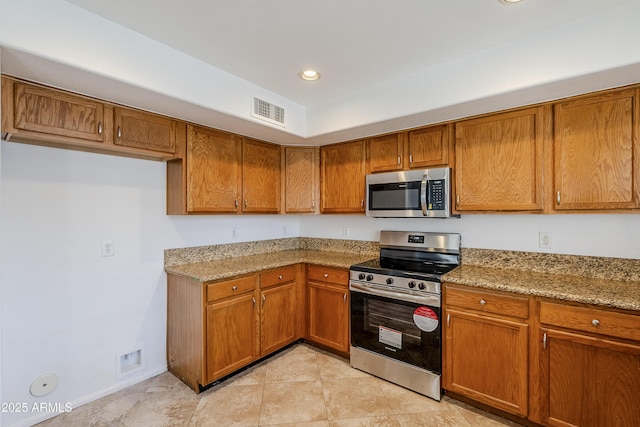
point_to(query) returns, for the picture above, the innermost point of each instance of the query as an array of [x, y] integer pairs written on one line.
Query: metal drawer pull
[[100, 128], [483, 302], [595, 322], [558, 198], [326, 275], [234, 288], [280, 277], [544, 341], [119, 132]]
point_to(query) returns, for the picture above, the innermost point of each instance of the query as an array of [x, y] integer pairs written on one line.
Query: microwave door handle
[[424, 199]]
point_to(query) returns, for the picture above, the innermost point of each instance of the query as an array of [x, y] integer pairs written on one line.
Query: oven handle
[[431, 300]]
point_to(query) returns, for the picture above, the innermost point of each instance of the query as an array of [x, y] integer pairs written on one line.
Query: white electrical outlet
[[284, 230], [345, 232], [545, 239], [234, 232], [107, 248]]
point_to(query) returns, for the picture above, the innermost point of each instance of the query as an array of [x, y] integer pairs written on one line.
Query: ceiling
[[354, 44]]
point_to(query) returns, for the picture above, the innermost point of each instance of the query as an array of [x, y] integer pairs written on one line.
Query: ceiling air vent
[[266, 111]]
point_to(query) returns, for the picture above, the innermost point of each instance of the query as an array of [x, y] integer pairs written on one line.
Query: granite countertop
[[236, 266], [590, 285]]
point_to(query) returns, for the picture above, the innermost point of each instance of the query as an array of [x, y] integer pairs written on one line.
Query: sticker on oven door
[[390, 336], [425, 319]]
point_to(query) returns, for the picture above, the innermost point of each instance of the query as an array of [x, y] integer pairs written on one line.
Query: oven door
[[398, 325]]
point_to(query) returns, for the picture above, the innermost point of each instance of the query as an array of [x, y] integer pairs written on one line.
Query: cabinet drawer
[[216, 291], [338, 276], [488, 301], [276, 277], [619, 325]]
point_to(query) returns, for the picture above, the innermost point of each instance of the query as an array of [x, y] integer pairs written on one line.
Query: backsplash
[[574, 265]]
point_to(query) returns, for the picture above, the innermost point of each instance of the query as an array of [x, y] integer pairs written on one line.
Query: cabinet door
[[232, 335], [589, 382], [596, 154], [428, 146], [301, 179], [499, 162], [260, 176], [213, 171], [343, 177], [139, 129], [384, 153], [277, 325], [329, 316], [486, 359], [57, 113]]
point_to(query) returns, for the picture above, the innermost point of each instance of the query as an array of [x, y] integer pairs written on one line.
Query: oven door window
[[404, 331]]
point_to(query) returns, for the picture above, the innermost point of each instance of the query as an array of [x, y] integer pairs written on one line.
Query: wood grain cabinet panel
[[486, 351], [596, 156], [429, 146], [53, 112], [385, 153], [214, 171], [139, 129], [498, 162], [343, 177], [277, 317], [301, 176], [260, 176]]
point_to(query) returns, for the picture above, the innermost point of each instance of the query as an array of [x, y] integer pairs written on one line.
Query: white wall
[[67, 310]]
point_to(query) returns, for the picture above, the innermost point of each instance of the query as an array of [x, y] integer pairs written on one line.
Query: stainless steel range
[[396, 309]]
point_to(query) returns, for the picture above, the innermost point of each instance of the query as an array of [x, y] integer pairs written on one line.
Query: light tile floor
[[301, 386]]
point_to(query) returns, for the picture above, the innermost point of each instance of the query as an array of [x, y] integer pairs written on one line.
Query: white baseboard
[[28, 422]]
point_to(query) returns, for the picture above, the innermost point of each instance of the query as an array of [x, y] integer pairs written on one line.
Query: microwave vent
[[267, 111]]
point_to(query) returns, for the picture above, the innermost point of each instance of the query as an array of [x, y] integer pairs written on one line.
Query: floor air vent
[[266, 111]]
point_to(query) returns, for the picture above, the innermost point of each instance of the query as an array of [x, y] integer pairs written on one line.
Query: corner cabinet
[[328, 309], [499, 162], [260, 176], [596, 153], [589, 366], [342, 177], [301, 179], [486, 347]]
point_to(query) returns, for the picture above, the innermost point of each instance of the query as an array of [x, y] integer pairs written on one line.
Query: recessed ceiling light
[[309, 75]]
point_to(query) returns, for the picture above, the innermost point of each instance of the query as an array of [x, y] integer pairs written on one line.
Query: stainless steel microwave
[[424, 193]]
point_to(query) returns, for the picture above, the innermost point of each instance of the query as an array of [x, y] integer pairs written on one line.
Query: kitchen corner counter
[[562, 277], [240, 265]]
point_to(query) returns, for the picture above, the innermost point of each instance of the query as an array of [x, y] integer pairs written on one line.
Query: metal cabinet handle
[[119, 132], [544, 341], [100, 128], [457, 200], [236, 201], [362, 203], [558, 198], [246, 203], [234, 288], [254, 300], [313, 204], [344, 297], [448, 320], [280, 277], [482, 301], [326, 275], [411, 159], [595, 322], [263, 299], [399, 161]]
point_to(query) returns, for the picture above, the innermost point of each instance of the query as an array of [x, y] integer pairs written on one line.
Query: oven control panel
[[412, 282]]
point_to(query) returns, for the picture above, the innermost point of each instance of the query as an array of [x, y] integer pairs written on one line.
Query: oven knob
[[389, 281], [370, 277], [361, 276], [412, 284], [421, 286]]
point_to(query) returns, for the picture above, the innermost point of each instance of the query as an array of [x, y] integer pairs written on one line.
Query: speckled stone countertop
[[216, 262], [610, 282]]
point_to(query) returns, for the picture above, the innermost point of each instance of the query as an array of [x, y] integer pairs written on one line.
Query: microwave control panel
[[437, 194]]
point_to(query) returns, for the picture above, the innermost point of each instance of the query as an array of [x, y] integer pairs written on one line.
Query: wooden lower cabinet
[[278, 311], [486, 348], [328, 308], [589, 369]]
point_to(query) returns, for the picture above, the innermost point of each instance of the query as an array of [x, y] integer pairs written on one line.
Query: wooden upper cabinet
[[499, 161], [214, 171], [343, 177], [428, 146], [53, 112], [260, 176], [139, 129], [596, 157], [301, 179], [385, 153]]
